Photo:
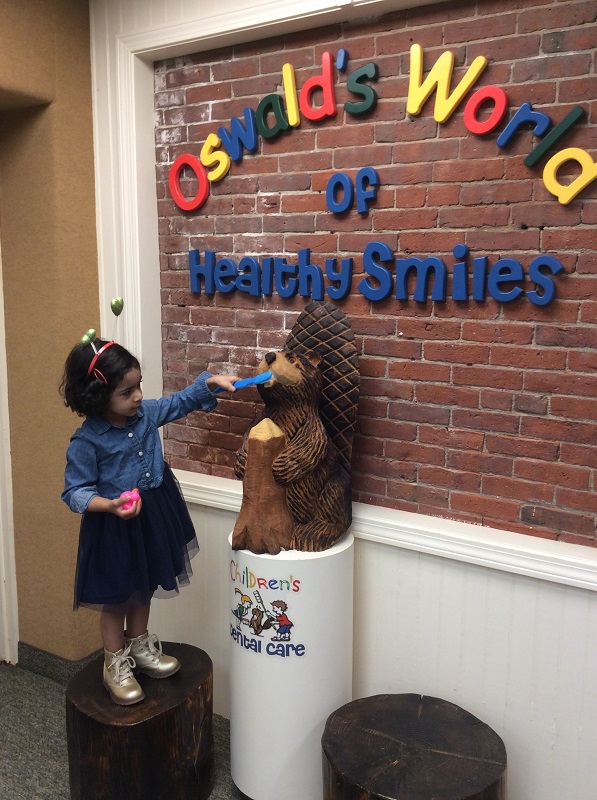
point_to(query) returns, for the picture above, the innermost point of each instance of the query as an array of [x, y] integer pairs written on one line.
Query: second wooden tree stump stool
[[408, 747], [160, 748]]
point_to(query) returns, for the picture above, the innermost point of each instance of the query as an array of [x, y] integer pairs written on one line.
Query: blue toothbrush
[[261, 378]]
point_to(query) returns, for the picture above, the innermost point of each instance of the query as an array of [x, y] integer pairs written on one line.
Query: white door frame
[[9, 626]]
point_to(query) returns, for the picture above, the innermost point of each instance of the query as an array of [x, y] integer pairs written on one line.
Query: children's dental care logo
[[264, 625]]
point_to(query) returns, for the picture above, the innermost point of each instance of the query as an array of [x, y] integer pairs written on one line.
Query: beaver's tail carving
[[324, 329]]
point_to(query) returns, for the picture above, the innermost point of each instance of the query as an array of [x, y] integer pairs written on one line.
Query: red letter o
[[500, 100], [187, 160]]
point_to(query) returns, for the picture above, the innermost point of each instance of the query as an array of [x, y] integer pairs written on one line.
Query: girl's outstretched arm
[[200, 395], [225, 382]]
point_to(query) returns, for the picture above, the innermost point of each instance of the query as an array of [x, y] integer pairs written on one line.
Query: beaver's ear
[[313, 358]]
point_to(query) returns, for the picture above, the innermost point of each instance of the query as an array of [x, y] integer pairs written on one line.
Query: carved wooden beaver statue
[[296, 480]]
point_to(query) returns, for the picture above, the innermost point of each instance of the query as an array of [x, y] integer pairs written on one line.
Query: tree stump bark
[[264, 523], [160, 748], [408, 747]]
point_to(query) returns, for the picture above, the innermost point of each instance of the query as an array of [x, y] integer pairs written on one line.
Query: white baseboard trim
[[543, 559]]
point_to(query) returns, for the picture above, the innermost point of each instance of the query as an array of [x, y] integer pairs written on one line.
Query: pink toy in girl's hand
[[132, 496]]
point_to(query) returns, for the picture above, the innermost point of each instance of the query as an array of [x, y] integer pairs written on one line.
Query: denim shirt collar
[[100, 425]]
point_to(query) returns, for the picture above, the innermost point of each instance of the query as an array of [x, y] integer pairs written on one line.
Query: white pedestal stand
[[286, 680]]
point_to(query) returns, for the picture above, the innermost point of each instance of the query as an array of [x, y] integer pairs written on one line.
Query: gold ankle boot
[[119, 679], [147, 652]]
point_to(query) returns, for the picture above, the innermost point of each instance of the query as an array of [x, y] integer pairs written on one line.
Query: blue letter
[[524, 114], [249, 281], [282, 269], [376, 271], [479, 278], [505, 270], [225, 275], [207, 271], [544, 281], [460, 274], [366, 177], [310, 276], [238, 135], [404, 265], [343, 278], [267, 276], [342, 181]]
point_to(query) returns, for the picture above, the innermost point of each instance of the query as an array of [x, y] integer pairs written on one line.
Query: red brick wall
[[478, 411]]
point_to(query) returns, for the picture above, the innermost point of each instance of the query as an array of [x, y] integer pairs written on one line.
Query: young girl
[[126, 556]]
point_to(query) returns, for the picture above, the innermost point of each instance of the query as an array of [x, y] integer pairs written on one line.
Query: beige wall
[[49, 271]]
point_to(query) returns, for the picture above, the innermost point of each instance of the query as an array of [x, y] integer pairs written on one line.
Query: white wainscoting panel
[[518, 651]]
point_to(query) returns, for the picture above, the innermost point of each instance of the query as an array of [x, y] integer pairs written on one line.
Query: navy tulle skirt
[[124, 563]]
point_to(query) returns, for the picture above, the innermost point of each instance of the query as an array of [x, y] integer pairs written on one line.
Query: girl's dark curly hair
[[86, 394]]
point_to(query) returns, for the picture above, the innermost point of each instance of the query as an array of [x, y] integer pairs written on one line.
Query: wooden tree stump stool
[[160, 748], [408, 747]]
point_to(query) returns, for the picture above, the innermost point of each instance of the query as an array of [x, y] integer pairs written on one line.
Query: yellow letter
[[292, 107], [439, 78], [211, 157], [588, 174]]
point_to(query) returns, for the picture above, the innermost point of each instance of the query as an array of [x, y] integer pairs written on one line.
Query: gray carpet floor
[[33, 752]]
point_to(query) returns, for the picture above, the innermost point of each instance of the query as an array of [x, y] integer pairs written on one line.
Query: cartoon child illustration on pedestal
[[284, 624], [242, 609]]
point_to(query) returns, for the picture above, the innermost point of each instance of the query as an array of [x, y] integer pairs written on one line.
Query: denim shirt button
[[140, 452], [148, 474], [130, 435]]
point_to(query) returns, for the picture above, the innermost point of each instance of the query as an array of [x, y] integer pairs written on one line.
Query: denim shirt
[[106, 460]]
